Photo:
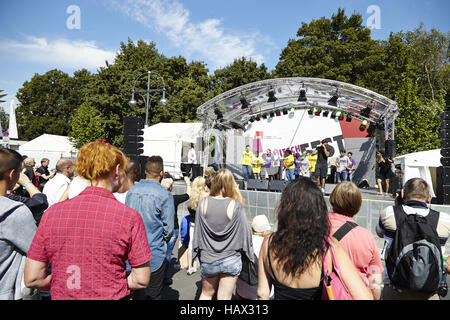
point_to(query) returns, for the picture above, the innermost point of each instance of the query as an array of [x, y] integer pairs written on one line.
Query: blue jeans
[[341, 176], [247, 171], [231, 266], [350, 176], [170, 246], [290, 174]]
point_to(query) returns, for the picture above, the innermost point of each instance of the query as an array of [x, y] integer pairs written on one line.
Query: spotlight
[[316, 111], [302, 95], [252, 119], [364, 123], [244, 103], [278, 113], [285, 111], [310, 111], [272, 114], [325, 113], [338, 114], [366, 111], [292, 109], [264, 116], [349, 118], [236, 126], [257, 118], [272, 97], [218, 113], [333, 100]]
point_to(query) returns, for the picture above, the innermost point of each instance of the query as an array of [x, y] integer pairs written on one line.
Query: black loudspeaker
[[445, 152], [445, 162], [439, 185], [278, 185], [446, 194], [390, 148], [262, 185]]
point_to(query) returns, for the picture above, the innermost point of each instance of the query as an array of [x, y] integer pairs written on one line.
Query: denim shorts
[[230, 266]]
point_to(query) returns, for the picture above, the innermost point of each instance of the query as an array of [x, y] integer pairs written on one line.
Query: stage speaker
[[262, 185], [390, 148], [439, 185], [278, 185], [445, 152], [446, 194], [241, 184]]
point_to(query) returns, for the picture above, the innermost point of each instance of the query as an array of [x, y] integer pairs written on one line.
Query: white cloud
[[61, 53], [207, 40]]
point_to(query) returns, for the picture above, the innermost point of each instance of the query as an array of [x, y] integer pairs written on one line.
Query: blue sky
[[34, 37]]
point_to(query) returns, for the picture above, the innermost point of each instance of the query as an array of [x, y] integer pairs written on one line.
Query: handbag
[[333, 286], [249, 271]]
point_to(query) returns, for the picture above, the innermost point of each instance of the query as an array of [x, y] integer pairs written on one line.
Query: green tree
[[240, 72], [2, 95], [87, 126], [4, 119], [45, 105], [339, 48]]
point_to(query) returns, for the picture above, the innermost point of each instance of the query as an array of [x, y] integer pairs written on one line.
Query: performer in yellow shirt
[[256, 166], [289, 164], [247, 158], [312, 158]]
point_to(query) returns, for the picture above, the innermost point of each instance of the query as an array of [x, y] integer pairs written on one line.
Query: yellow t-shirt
[[256, 164], [289, 162], [312, 160], [247, 158]]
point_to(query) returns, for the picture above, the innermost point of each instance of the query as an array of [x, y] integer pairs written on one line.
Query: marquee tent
[[49, 146], [171, 142], [421, 164]]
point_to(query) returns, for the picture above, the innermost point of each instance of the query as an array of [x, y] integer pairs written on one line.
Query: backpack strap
[[433, 218], [344, 229], [400, 216]]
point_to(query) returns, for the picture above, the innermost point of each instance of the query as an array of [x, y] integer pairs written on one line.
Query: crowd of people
[[314, 164], [97, 230]]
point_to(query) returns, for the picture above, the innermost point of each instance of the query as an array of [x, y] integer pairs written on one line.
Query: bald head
[[65, 167]]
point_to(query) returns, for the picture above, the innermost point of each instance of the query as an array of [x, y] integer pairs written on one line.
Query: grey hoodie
[[17, 229]]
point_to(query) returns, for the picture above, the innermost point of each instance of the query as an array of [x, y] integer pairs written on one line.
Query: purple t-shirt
[[352, 164], [268, 159]]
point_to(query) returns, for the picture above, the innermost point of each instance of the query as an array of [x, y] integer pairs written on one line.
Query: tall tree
[[339, 48], [45, 105], [241, 71]]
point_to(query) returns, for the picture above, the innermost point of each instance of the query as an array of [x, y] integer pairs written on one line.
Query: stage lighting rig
[[349, 118], [366, 111], [244, 103], [218, 113], [302, 95], [325, 113], [272, 97], [333, 100]]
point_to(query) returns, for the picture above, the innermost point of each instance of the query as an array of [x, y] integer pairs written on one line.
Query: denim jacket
[[156, 206]]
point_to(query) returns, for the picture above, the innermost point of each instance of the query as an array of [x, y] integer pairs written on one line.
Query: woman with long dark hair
[[291, 258]]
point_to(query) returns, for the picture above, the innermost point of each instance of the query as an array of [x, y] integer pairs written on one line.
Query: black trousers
[[155, 286]]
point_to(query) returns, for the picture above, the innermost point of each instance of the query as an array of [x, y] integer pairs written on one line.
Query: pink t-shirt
[[360, 246]]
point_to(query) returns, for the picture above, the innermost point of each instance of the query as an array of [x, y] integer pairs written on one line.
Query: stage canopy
[[235, 108]]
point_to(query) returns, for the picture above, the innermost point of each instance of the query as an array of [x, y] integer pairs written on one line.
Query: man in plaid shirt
[[87, 239]]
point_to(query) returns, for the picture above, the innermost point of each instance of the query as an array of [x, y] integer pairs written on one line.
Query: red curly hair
[[96, 160]]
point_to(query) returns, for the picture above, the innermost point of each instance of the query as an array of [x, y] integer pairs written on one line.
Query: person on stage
[[321, 171], [352, 167], [305, 166], [289, 164], [192, 159], [268, 167], [277, 164], [247, 158], [384, 172], [311, 156], [257, 163]]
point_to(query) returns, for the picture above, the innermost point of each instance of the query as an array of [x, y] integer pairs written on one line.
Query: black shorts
[[321, 170], [385, 175]]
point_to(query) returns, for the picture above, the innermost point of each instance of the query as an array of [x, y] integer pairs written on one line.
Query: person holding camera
[[415, 236]]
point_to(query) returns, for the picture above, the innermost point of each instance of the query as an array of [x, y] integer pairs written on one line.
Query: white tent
[[171, 141], [49, 146], [421, 164]]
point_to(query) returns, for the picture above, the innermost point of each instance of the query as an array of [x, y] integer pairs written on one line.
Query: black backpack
[[414, 260]]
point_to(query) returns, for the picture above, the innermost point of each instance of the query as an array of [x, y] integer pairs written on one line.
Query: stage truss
[[229, 110]]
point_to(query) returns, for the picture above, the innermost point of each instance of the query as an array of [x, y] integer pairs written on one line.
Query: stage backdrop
[[297, 131]]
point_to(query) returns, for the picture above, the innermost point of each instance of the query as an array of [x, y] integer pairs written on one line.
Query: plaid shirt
[[87, 240]]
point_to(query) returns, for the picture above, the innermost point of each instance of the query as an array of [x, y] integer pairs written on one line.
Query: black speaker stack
[[443, 173]]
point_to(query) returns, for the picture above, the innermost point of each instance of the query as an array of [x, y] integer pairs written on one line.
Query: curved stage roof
[[235, 108]]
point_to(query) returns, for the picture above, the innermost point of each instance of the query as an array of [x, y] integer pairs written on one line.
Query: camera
[[398, 198]]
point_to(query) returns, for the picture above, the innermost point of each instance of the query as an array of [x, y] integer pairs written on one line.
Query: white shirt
[[55, 188], [121, 196], [192, 158]]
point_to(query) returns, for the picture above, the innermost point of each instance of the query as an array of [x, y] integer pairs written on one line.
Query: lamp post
[[133, 102]]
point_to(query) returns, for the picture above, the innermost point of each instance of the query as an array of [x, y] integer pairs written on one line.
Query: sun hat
[[260, 224]]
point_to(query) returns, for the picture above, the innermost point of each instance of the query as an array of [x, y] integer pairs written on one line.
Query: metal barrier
[[260, 202]]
